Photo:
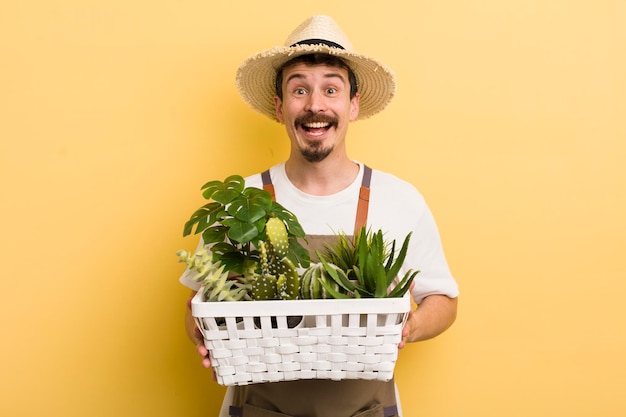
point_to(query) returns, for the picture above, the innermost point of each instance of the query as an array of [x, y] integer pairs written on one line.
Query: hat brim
[[256, 78]]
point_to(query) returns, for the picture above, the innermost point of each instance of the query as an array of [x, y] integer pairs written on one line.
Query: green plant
[[311, 286], [279, 277], [373, 267], [233, 224], [250, 236], [216, 283]]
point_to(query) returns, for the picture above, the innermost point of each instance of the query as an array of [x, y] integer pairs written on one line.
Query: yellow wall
[[509, 118]]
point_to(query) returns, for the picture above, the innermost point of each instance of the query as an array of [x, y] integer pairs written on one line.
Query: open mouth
[[316, 126]]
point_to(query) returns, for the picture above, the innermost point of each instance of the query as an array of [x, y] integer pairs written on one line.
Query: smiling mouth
[[316, 126], [316, 129]]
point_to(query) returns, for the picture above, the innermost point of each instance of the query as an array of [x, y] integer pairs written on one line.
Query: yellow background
[[509, 118]]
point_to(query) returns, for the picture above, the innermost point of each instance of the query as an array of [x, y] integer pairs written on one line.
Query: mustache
[[316, 118]]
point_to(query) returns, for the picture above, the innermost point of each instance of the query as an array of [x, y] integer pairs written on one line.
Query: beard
[[315, 151]]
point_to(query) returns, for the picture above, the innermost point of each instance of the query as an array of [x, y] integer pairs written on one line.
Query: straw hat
[[256, 77]]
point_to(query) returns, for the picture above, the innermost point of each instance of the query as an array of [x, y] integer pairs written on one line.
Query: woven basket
[[283, 340]]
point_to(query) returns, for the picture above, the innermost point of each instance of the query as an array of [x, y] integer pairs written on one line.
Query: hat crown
[[319, 27]]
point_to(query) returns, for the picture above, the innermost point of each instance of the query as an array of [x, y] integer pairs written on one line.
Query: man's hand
[[196, 336], [432, 317], [406, 330]]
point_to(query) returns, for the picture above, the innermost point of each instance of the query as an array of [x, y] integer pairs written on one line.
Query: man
[[316, 85]]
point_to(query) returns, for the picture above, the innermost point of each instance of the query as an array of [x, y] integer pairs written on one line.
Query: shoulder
[[393, 189], [256, 180]]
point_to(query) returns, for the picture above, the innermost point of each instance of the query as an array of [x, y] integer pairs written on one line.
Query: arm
[[194, 334], [432, 317]]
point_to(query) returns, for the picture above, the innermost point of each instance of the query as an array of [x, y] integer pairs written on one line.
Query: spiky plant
[[216, 283], [311, 286], [374, 267], [278, 277]]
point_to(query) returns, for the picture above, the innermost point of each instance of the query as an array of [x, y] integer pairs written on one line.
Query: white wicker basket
[[335, 339]]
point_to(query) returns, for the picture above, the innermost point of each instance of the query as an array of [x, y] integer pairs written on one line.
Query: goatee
[[316, 152]]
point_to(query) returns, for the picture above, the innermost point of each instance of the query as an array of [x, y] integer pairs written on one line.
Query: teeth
[[317, 125]]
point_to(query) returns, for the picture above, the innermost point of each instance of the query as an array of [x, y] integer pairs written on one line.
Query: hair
[[316, 59]]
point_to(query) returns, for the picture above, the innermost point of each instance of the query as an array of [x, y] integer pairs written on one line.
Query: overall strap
[[364, 196], [364, 199], [267, 183]]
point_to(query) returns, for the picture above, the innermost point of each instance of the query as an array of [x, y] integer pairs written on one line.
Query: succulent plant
[[311, 282], [374, 267], [215, 281]]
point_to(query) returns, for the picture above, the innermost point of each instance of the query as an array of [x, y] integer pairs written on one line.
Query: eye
[[299, 91], [331, 90]]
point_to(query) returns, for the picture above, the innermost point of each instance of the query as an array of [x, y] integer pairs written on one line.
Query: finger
[[202, 350], [204, 353], [206, 363]]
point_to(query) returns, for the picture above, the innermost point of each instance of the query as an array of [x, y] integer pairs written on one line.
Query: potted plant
[[250, 244], [363, 267]]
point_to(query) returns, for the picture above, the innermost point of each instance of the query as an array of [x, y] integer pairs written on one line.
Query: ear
[[278, 107], [355, 105]]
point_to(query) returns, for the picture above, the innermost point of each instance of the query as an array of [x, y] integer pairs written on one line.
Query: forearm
[[433, 316]]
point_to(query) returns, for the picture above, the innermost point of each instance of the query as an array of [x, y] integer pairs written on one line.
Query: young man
[[316, 85]]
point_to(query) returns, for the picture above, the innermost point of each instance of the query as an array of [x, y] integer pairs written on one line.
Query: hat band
[[318, 42]]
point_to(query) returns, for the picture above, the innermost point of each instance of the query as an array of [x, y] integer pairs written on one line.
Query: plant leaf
[[334, 293], [342, 281], [404, 285], [224, 192], [201, 217], [240, 231], [395, 269], [380, 278], [233, 261], [291, 221], [298, 254], [214, 234], [247, 210], [223, 247], [359, 287]]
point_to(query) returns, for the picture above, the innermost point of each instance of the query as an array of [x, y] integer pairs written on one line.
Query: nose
[[315, 103]]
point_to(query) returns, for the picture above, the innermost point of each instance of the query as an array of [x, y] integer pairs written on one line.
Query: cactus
[[264, 285], [279, 277], [311, 284], [288, 282], [277, 235]]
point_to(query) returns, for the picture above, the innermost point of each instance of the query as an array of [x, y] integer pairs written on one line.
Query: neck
[[321, 178]]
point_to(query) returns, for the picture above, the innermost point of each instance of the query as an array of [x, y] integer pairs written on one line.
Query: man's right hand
[[195, 335]]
